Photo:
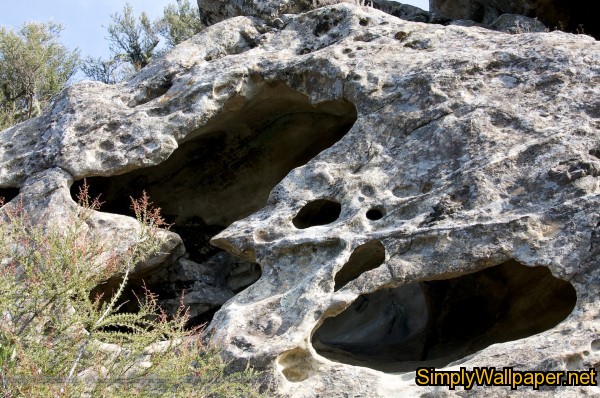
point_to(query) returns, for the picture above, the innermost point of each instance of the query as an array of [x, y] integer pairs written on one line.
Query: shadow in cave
[[434, 323], [222, 173], [8, 194]]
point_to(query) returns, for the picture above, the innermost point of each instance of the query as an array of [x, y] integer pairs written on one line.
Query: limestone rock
[[571, 16], [513, 23], [413, 194], [214, 11], [403, 11]]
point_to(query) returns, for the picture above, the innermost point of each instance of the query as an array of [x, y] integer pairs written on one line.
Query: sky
[[85, 21]]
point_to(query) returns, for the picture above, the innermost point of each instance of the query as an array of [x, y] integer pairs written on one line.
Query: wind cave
[[438, 322], [222, 173]]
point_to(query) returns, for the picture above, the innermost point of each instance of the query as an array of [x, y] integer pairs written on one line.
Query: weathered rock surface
[[213, 11], [414, 195], [571, 16], [514, 23]]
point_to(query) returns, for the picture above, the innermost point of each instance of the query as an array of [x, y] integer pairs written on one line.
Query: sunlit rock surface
[[382, 194]]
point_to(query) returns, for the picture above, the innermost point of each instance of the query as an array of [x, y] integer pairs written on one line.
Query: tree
[[131, 39], [34, 66], [135, 40], [109, 71], [179, 22]]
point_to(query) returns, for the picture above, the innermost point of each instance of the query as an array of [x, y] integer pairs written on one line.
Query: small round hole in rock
[[317, 212], [375, 214], [296, 364]]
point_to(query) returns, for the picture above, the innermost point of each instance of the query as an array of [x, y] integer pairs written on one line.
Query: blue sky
[[85, 20]]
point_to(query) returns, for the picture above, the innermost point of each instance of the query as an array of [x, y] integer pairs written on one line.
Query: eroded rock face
[[571, 16], [213, 11], [382, 174], [434, 323]]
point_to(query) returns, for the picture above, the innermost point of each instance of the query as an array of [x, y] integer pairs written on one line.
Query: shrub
[[56, 340]]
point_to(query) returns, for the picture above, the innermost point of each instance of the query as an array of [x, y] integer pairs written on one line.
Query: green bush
[[56, 340], [34, 67]]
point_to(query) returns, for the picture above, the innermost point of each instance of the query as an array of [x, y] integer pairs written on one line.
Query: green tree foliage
[[56, 340], [34, 66], [135, 40], [132, 39], [180, 21], [108, 71]]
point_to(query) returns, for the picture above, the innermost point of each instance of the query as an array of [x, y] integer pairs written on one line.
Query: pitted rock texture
[[423, 168], [571, 16], [213, 11]]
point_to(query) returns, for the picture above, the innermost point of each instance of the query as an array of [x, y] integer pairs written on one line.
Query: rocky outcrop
[[213, 11], [407, 194], [513, 23], [573, 16], [522, 16]]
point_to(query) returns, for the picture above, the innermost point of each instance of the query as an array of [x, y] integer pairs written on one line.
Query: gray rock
[[513, 23], [214, 11], [573, 16], [403, 11], [508, 23], [467, 23], [469, 156]]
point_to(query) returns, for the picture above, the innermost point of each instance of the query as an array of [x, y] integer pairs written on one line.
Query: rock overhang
[[475, 147]]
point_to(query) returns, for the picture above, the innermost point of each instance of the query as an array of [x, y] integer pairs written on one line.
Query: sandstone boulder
[[407, 194]]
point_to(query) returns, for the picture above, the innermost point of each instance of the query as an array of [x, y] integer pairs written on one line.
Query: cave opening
[[8, 194], [222, 173], [434, 323], [318, 212], [364, 258]]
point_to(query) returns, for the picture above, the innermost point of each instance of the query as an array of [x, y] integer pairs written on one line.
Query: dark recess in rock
[[317, 212], [153, 90], [8, 194], [225, 172], [570, 16], [364, 258], [434, 323], [375, 214]]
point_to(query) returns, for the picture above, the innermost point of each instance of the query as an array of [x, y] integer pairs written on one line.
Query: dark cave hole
[[8, 194], [435, 323], [375, 214], [317, 212], [222, 173], [364, 258], [155, 89]]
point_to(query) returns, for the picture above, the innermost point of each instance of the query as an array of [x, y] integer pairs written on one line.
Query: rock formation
[[214, 11], [505, 16], [384, 194], [571, 16]]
